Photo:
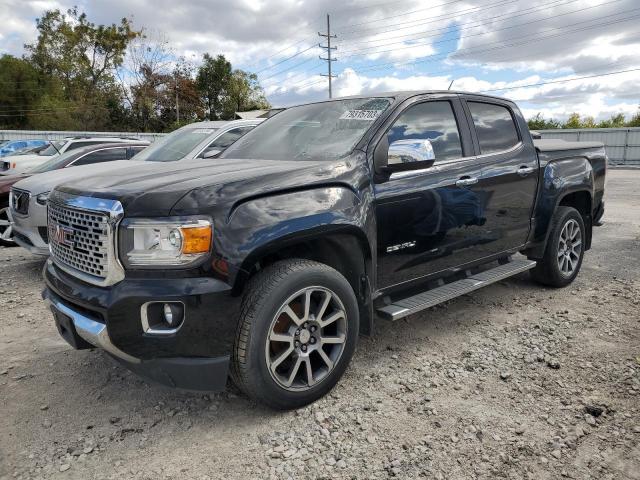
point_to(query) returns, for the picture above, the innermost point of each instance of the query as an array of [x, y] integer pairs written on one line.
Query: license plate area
[[68, 331]]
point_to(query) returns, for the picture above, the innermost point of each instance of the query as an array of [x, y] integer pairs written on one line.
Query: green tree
[[244, 93], [573, 121], [83, 58], [540, 123], [635, 120], [212, 81], [20, 90]]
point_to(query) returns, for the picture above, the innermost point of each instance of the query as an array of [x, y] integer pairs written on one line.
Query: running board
[[408, 306]]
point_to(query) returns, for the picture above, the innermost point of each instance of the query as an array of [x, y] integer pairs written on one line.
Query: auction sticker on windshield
[[367, 115]]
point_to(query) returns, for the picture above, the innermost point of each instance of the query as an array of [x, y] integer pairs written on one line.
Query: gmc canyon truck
[[268, 263]]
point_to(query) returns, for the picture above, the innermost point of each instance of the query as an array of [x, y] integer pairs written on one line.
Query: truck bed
[[554, 145]]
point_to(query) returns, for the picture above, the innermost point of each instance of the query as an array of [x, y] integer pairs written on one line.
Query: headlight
[[42, 198], [164, 242]]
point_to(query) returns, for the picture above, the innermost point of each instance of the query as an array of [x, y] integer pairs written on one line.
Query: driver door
[[430, 220]]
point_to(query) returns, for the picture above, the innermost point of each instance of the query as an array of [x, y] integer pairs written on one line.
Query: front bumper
[[31, 229], [196, 357]]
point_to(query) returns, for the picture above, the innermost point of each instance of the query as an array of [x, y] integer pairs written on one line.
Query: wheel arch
[[344, 248]]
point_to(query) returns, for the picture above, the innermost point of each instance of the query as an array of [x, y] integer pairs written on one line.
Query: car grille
[[79, 239], [20, 201]]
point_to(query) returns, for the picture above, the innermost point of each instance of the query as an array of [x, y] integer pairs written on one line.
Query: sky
[[495, 46]]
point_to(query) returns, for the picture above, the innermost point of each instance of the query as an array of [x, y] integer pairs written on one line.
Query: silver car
[[28, 198]]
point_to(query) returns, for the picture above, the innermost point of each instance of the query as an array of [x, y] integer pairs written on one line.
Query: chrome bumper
[[91, 331]]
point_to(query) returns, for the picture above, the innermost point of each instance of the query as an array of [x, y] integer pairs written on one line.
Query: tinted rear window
[[495, 127]]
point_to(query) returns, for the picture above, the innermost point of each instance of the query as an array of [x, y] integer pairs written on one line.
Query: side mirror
[[410, 154], [211, 153]]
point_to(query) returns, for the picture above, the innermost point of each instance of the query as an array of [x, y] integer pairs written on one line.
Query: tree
[[212, 81], [19, 92], [573, 121], [540, 123], [635, 120], [82, 57], [244, 93]]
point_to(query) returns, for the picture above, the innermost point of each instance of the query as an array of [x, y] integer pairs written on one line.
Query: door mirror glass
[[213, 153], [410, 154]]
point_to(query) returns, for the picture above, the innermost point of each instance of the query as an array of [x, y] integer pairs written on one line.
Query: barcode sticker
[[367, 115]]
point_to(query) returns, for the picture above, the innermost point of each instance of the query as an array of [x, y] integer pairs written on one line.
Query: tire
[[269, 340], [557, 269], [6, 230]]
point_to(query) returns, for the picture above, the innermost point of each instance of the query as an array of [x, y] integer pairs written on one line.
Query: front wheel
[[6, 228], [564, 251], [297, 333]]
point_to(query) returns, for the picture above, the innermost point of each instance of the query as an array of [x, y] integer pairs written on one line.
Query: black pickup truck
[[267, 263]]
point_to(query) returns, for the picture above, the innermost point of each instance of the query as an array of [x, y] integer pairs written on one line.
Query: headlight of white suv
[[164, 241]]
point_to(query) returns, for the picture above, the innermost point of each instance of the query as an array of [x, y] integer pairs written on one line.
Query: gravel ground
[[512, 381]]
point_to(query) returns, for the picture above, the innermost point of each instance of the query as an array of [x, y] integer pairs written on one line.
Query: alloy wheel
[[569, 247], [306, 338], [6, 226]]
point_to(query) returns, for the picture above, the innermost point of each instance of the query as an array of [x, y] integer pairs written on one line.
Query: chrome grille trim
[[83, 237]]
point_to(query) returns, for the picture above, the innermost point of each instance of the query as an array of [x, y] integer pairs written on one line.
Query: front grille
[[20, 201], [79, 239]]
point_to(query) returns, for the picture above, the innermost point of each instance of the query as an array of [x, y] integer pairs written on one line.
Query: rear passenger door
[[509, 171]]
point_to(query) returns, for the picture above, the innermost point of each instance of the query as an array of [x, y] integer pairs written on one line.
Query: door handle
[[465, 182], [524, 171]]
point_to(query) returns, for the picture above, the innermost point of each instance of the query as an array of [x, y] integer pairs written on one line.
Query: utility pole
[[328, 48], [177, 104]]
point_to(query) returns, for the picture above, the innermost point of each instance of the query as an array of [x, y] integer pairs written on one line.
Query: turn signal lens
[[196, 239]]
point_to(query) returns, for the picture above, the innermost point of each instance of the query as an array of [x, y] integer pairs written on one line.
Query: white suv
[[21, 163]]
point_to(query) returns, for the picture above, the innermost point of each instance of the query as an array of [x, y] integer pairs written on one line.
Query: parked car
[[13, 146], [72, 158], [22, 163], [29, 212], [31, 150], [269, 262]]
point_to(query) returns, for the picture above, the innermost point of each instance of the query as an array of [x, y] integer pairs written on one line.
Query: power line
[[524, 12], [509, 27], [430, 19], [471, 51], [561, 81], [403, 14]]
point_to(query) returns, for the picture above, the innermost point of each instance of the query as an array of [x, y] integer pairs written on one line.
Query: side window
[[102, 156], [225, 140], [495, 127], [134, 150], [433, 121], [76, 145]]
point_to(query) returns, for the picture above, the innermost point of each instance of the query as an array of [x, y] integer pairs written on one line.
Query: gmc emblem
[[62, 235]]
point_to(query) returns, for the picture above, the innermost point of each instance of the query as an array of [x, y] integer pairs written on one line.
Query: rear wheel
[[564, 251], [6, 227], [298, 331]]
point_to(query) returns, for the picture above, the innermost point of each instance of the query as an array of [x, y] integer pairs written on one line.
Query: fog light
[[162, 318], [168, 314]]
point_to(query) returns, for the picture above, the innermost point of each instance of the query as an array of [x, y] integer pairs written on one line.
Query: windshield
[[319, 131], [174, 146], [54, 163], [52, 149]]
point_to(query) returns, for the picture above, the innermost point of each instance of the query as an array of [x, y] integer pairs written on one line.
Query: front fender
[[260, 225]]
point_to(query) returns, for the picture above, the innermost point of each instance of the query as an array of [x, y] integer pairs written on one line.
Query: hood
[[153, 189], [7, 181], [21, 163], [47, 181]]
